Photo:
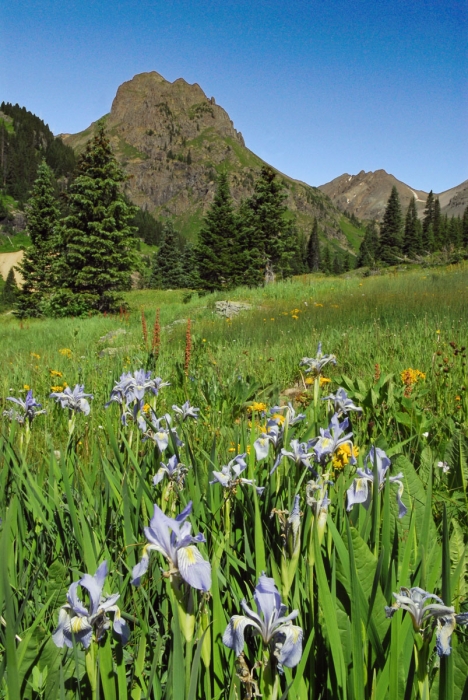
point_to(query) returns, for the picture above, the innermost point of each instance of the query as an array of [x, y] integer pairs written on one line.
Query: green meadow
[[77, 490]]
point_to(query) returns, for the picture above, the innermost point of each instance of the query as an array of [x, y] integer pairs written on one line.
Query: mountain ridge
[[366, 194], [172, 141]]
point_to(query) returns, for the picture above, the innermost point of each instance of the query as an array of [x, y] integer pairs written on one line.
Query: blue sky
[[317, 88]]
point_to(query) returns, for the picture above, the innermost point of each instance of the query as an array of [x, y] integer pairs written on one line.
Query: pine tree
[[391, 230], [436, 224], [10, 291], [36, 268], [96, 239], [337, 267], [411, 236], [326, 262], [216, 240], [313, 249], [465, 228], [428, 224], [274, 242], [167, 270], [347, 262], [367, 254], [190, 267]]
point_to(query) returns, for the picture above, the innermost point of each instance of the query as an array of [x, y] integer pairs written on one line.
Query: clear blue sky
[[317, 88]]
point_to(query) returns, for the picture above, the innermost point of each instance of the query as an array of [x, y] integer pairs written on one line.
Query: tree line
[[25, 140], [410, 238]]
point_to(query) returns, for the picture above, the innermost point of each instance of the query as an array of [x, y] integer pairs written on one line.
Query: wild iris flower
[[229, 476], [299, 453], [342, 403], [28, 407], [132, 387], [156, 432], [425, 614], [332, 438], [283, 639], [186, 411], [314, 365], [74, 400], [171, 537], [290, 412], [359, 491], [77, 621], [173, 469]]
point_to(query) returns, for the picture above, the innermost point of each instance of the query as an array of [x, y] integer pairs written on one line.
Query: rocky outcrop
[[366, 195], [172, 140]]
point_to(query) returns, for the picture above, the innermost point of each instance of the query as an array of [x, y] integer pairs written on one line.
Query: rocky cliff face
[[172, 140], [366, 195]]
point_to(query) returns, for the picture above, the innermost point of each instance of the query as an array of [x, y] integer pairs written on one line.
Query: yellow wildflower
[[232, 449], [55, 373], [66, 352], [146, 408], [56, 388], [35, 355], [437, 331], [411, 376], [272, 319], [279, 418], [26, 386], [309, 381], [316, 304], [324, 380], [342, 455], [257, 406], [295, 317], [204, 340]]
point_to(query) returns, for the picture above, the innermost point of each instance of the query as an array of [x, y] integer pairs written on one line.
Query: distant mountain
[[366, 195], [172, 140]]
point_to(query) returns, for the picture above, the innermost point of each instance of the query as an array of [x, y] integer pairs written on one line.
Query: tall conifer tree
[[36, 268], [428, 224], [167, 270], [391, 230], [217, 240], [313, 249], [367, 254], [436, 225], [96, 238], [412, 237]]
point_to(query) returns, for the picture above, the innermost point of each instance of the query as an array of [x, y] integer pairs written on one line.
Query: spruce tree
[[189, 264], [167, 270], [326, 262], [391, 230], [347, 262], [216, 240], [428, 224], [367, 254], [437, 221], [337, 267], [465, 228], [36, 268], [96, 239], [411, 237], [313, 249], [274, 239], [10, 291]]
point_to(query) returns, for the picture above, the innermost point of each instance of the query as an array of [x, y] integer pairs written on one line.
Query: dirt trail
[[7, 261]]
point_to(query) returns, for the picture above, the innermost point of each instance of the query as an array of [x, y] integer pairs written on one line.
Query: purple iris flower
[[171, 537], [291, 413], [79, 622], [314, 365], [74, 400], [270, 622], [132, 387], [359, 491], [186, 411], [341, 401], [229, 476], [417, 603], [330, 439], [157, 432], [174, 470], [28, 406]]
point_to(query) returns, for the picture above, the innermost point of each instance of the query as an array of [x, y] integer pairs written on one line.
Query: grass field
[[78, 489]]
